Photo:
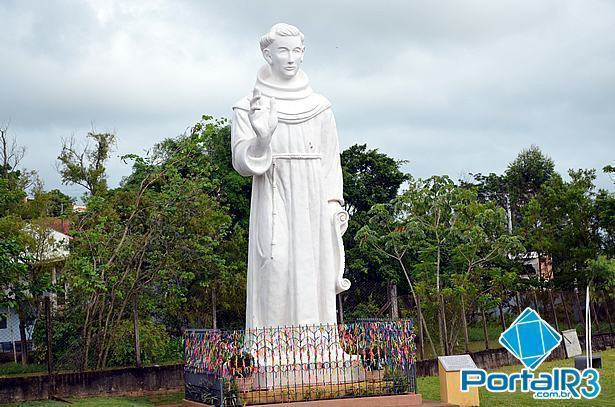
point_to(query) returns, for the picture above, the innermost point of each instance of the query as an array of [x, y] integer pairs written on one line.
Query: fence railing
[[300, 363]]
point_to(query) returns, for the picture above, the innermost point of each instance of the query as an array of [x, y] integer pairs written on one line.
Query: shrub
[[157, 346]]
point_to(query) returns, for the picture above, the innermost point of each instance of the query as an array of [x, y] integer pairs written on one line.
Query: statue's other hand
[[264, 119]]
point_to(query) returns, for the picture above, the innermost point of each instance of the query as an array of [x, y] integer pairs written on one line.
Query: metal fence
[[300, 363]]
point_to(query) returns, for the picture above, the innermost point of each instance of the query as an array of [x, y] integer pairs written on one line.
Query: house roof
[[51, 245]]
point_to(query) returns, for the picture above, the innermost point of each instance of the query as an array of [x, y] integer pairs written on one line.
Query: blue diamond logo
[[530, 339]]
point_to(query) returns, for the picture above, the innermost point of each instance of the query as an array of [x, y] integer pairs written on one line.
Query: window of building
[[3, 324]]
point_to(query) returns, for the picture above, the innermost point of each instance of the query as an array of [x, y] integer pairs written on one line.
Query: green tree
[[524, 178], [428, 210], [13, 278], [605, 213], [601, 274], [235, 190], [162, 237], [610, 169], [13, 180], [86, 166], [484, 244], [560, 221], [370, 178], [220, 287], [393, 234], [432, 207], [451, 248], [22, 227], [59, 204]]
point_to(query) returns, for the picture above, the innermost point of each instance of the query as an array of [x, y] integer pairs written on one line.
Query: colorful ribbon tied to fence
[[373, 344]]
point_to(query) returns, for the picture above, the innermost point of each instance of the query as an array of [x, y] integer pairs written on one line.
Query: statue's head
[[283, 50]]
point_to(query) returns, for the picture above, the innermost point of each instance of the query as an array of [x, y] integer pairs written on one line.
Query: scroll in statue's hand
[[339, 216], [263, 118]]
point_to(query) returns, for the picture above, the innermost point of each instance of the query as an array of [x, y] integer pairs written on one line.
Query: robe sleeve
[[332, 166], [247, 159]]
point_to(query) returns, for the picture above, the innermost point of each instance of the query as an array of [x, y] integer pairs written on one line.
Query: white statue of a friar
[[284, 136]]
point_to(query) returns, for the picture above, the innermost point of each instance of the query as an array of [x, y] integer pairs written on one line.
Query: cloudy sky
[[451, 86]]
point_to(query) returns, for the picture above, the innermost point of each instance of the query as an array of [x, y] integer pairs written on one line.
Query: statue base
[[313, 377]]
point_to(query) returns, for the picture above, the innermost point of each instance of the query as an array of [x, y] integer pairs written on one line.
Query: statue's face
[[284, 56]]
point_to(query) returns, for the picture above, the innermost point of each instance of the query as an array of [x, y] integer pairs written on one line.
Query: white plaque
[[571, 343], [456, 362]]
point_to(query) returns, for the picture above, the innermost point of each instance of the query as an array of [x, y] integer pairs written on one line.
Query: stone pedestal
[[312, 377]]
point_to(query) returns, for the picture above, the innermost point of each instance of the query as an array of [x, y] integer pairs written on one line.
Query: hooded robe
[[295, 253]]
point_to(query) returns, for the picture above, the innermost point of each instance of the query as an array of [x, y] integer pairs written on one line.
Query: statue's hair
[[282, 30]]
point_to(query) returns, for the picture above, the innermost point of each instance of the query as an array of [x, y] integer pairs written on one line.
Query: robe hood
[[296, 104]]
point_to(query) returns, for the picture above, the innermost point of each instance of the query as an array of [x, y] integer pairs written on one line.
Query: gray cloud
[[453, 86]]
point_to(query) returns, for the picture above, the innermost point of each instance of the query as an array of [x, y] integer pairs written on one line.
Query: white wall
[[12, 324]]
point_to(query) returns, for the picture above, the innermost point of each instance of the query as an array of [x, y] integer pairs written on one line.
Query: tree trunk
[[484, 318], [581, 314], [544, 300], [518, 300], [502, 319], [608, 312], [340, 308], [48, 328], [135, 321], [424, 329], [114, 322], [553, 309], [454, 334], [419, 315], [214, 316], [421, 339], [54, 282], [563, 298], [593, 308], [14, 346], [509, 215], [465, 325], [433, 348], [86, 338], [418, 304], [444, 327], [23, 339], [440, 329], [49, 334], [392, 291], [535, 298], [441, 313]]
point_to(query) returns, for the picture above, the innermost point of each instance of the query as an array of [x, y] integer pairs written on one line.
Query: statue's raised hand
[[263, 118]]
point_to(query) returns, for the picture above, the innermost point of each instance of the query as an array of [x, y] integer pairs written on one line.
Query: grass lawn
[[145, 401], [9, 369], [429, 387]]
